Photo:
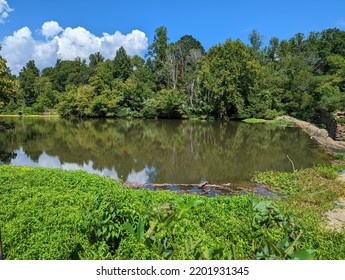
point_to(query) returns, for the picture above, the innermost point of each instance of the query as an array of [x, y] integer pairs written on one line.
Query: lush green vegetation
[[55, 214], [254, 120], [302, 77], [275, 121], [282, 122]]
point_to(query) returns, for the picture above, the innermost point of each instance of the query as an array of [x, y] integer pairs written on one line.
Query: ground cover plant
[[56, 214]]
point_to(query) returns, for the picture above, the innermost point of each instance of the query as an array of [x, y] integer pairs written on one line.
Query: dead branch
[[167, 185], [293, 166]]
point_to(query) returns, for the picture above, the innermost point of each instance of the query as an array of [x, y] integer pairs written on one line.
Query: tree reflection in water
[[158, 151]]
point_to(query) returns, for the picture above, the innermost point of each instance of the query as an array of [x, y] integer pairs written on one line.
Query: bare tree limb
[[293, 166]]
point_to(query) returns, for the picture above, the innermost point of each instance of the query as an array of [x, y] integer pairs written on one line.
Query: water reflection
[[144, 176], [165, 151]]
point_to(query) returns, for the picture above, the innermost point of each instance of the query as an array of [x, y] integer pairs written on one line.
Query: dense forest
[[303, 77]]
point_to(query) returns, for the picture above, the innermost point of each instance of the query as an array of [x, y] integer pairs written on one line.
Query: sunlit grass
[[253, 120]]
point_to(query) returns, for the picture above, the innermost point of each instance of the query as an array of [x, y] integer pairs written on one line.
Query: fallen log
[[200, 186], [167, 185], [205, 188]]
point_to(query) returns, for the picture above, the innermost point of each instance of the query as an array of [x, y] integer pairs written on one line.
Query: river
[[158, 151]]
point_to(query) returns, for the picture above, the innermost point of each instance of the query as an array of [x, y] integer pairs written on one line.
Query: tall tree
[[68, 72], [95, 58], [189, 52], [231, 77], [122, 65], [28, 77], [103, 78], [256, 40], [7, 84], [158, 54], [158, 49], [272, 49]]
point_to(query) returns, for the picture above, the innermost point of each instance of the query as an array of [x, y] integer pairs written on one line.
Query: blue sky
[[210, 22]]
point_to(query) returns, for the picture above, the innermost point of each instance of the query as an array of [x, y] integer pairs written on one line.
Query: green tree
[[272, 49], [188, 52], [68, 72], [256, 40], [103, 78], [122, 66], [158, 49], [95, 59], [47, 97], [158, 54], [8, 86], [230, 80], [142, 72], [77, 101], [331, 87], [28, 77], [297, 43], [170, 104], [132, 95]]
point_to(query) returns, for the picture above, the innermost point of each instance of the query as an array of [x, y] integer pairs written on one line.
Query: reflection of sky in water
[[144, 176], [147, 175]]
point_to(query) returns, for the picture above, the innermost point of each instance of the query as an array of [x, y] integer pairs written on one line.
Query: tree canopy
[[303, 76]]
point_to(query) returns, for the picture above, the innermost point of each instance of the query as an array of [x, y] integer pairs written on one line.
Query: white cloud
[[4, 10], [50, 29], [18, 49], [77, 42], [66, 44]]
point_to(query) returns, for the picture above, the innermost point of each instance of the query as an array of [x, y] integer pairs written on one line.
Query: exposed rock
[[336, 219], [319, 134], [341, 177]]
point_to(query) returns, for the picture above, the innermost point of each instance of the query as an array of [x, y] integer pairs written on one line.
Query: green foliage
[[157, 232], [327, 172], [27, 80], [150, 108], [267, 218], [253, 120], [341, 120], [7, 85], [255, 40], [282, 122], [230, 80], [122, 66], [95, 59], [55, 214], [281, 181], [170, 104], [340, 156], [302, 76], [76, 101]]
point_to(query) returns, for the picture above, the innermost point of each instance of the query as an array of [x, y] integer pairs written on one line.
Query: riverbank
[[30, 116], [319, 134], [57, 214]]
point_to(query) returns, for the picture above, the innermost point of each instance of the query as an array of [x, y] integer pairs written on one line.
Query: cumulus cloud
[[66, 44], [4, 10], [50, 29]]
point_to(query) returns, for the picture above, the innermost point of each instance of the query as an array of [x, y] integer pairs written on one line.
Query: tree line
[[303, 77]]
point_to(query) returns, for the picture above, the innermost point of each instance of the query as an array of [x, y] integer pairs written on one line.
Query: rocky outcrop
[[340, 127], [319, 134]]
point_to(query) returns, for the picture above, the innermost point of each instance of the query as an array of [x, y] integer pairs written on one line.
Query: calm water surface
[[163, 151]]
